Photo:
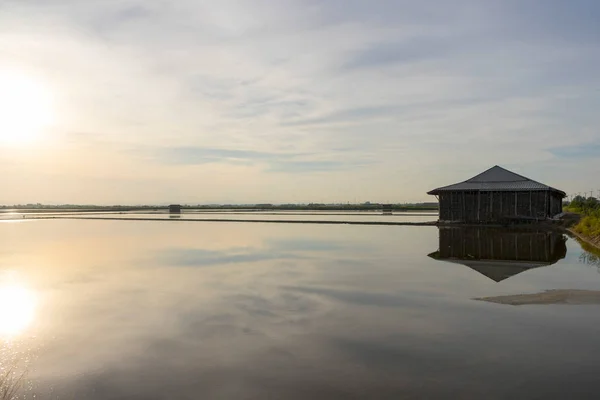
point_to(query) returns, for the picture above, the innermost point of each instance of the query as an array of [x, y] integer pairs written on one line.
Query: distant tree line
[[583, 205]]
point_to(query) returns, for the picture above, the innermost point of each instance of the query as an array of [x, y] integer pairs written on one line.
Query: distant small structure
[[387, 208], [175, 208], [498, 196]]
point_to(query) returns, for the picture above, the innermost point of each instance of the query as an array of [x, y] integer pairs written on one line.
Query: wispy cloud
[[590, 150], [272, 161], [404, 52], [313, 166], [203, 155]]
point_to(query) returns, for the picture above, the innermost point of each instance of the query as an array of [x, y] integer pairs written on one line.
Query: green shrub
[[589, 225]]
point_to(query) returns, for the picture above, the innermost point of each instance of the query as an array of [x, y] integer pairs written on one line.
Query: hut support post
[[464, 208], [530, 207], [478, 206], [515, 204], [501, 210]]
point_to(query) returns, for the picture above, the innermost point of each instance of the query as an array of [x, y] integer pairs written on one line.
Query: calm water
[[340, 216], [158, 310]]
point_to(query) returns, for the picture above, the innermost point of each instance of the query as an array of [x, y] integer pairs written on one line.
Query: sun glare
[[25, 108], [17, 308]]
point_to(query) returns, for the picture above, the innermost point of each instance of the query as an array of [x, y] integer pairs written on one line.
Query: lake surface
[[314, 216], [100, 309]]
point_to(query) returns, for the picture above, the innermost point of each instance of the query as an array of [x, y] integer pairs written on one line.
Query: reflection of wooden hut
[[499, 254], [498, 195], [175, 208]]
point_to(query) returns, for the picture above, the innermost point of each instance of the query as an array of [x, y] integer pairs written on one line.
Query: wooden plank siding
[[498, 206], [495, 244]]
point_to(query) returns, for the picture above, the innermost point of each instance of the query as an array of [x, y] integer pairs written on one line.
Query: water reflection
[[590, 255], [151, 310], [499, 253], [17, 309], [14, 364]]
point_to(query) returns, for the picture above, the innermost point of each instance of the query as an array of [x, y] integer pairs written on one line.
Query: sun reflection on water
[[17, 309]]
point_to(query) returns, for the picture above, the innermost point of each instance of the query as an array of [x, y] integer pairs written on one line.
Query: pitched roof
[[497, 179], [500, 270], [496, 270]]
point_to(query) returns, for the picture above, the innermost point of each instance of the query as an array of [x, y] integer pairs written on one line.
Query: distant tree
[[591, 203], [578, 202]]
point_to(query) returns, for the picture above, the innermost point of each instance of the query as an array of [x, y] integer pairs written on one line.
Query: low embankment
[[587, 226], [588, 230]]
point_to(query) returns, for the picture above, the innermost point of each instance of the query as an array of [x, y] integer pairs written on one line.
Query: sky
[[198, 102]]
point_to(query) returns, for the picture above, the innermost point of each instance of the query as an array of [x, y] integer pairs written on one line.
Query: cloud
[[311, 166], [262, 92], [415, 50], [347, 116], [202, 155], [273, 161], [591, 150]]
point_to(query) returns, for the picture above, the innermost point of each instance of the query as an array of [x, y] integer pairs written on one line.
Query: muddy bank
[[569, 296]]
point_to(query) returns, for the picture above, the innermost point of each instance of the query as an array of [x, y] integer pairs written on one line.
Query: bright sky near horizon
[[141, 101]]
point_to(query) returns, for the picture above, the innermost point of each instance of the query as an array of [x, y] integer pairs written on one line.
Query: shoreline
[[266, 221], [595, 244], [569, 230], [223, 208]]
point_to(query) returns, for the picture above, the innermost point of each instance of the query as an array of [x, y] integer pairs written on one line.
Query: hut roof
[[496, 270], [500, 270], [497, 179]]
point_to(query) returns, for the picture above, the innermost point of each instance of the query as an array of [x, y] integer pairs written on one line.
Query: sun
[[25, 108]]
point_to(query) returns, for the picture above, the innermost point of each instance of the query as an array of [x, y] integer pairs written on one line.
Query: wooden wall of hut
[[499, 244], [477, 207]]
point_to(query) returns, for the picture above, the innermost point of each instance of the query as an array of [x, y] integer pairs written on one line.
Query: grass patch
[[589, 226], [589, 209], [12, 379]]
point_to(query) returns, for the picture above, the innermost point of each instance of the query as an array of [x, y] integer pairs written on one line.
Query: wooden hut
[[175, 208], [499, 253], [498, 196]]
